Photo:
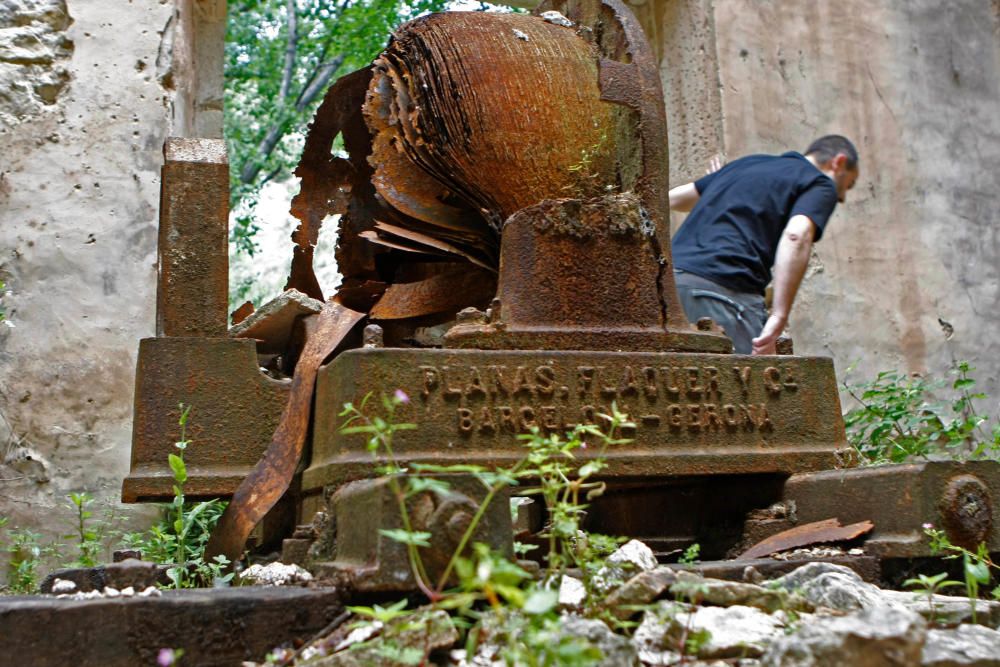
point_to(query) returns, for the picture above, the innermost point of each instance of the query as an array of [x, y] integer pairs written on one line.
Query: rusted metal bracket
[[270, 478]]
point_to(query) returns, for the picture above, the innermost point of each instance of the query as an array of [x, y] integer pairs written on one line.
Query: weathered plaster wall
[[916, 84], [87, 93]]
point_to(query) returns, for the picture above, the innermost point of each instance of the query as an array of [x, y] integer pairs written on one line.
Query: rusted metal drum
[[487, 114]]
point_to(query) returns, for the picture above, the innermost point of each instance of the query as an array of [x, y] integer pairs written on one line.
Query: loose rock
[[639, 590], [718, 632], [275, 574], [964, 646], [729, 593], [877, 636]]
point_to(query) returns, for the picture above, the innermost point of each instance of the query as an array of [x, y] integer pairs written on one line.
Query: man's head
[[836, 157]]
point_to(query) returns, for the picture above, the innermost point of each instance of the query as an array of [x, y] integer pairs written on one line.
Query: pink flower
[[166, 657], [928, 526], [400, 396]]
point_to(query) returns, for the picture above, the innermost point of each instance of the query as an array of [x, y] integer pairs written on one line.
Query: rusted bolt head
[[966, 511], [705, 324]]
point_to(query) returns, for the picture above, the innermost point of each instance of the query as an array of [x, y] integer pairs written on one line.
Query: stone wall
[[916, 84], [88, 91]]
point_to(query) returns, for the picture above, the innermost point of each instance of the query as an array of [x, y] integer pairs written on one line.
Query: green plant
[[976, 565], [898, 421], [89, 538], [25, 553], [930, 586], [180, 537], [691, 554], [691, 641], [519, 612]]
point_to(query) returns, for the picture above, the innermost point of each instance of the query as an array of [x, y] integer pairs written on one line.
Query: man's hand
[[765, 342]]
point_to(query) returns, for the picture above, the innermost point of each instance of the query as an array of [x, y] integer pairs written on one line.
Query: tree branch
[[290, 50], [324, 72]]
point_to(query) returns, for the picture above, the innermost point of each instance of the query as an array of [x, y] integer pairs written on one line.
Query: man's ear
[[839, 162]]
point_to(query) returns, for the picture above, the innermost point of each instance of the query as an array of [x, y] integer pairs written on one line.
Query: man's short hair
[[826, 148]]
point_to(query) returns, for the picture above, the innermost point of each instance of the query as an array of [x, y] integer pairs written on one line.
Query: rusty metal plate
[[818, 532], [234, 410], [694, 413], [961, 498]]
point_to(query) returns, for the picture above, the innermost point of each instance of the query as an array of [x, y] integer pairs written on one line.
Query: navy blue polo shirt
[[732, 233]]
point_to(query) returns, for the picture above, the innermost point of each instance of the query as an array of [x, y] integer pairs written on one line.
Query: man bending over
[[755, 220]]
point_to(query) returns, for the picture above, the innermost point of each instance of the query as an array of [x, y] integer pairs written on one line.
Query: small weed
[[25, 554], [179, 538], [90, 536], [691, 554], [976, 565], [930, 586], [498, 597]]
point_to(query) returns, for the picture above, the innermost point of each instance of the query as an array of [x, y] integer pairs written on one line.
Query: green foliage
[[898, 421], [976, 566], [89, 535], [281, 56], [180, 536], [691, 554], [496, 595], [929, 586], [25, 553]]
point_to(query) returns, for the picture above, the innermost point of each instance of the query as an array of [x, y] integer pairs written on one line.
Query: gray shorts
[[741, 315]]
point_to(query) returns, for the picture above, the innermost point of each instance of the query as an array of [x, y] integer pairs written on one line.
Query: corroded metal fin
[[327, 182], [818, 532], [272, 475]]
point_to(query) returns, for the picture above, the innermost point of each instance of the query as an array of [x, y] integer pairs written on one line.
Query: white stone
[[111, 592], [150, 591], [275, 574], [572, 592], [557, 19], [63, 586], [128, 591], [636, 553], [735, 631], [881, 635], [964, 646]]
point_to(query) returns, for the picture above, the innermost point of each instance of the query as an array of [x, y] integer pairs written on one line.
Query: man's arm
[[683, 197], [790, 263]]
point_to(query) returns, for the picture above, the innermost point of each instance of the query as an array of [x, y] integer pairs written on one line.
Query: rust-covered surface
[[475, 116], [581, 274], [817, 532], [465, 119], [193, 250], [215, 627], [961, 498], [694, 413], [235, 409], [272, 474], [368, 561]]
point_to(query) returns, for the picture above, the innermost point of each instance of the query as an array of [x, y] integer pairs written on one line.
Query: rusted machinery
[[503, 231]]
